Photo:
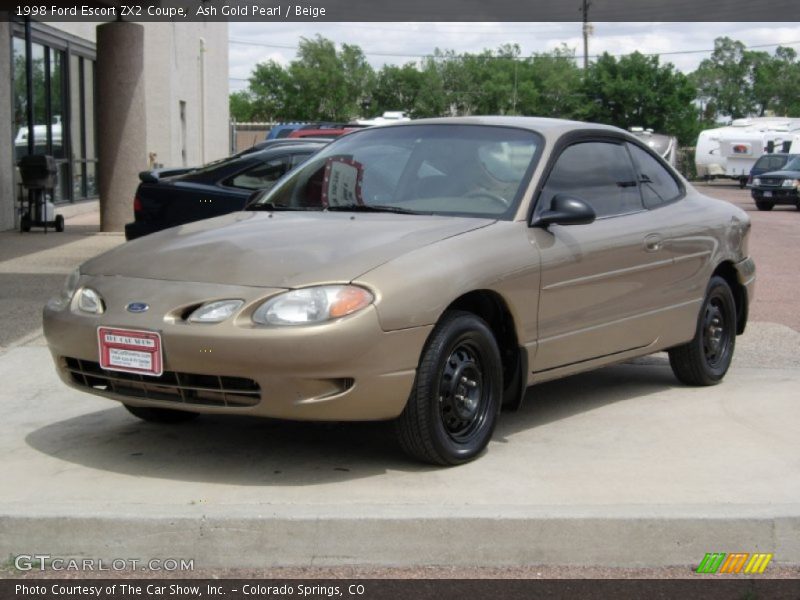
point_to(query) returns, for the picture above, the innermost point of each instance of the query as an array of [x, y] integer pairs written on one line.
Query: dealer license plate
[[130, 351]]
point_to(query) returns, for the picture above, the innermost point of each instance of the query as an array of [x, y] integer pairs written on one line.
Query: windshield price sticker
[[342, 182], [130, 351]]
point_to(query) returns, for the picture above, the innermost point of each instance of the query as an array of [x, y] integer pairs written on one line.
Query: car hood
[[278, 249], [782, 174]]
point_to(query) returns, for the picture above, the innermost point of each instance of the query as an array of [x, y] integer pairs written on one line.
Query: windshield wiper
[[374, 208], [271, 206]]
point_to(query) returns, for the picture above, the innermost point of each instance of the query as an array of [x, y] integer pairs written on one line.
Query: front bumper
[[775, 195], [348, 369]]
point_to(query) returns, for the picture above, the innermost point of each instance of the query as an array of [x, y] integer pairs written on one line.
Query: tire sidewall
[[718, 288], [463, 328]]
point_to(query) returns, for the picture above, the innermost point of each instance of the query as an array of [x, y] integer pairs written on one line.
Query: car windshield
[[793, 165], [468, 170]]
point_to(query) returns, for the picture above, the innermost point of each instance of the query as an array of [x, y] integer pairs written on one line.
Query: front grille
[[772, 181], [184, 388]]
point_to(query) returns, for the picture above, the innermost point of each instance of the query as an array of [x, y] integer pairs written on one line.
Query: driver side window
[[600, 173]]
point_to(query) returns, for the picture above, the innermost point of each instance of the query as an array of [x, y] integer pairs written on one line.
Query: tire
[[742, 182], [706, 358], [59, 223], [160, 415], [763, 205], [25, 223], [451, 413]]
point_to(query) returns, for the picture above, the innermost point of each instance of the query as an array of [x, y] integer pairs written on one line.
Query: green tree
[[325, 84], [241, 106], [724, 81], [398, 88], [269, 85], [637, 90]]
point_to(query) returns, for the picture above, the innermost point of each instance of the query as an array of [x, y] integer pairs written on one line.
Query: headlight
[[756, 181], [90, 301], [215, 312], [313, 305], [789, 183], [64, 297]]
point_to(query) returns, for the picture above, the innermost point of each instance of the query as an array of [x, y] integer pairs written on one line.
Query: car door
[[683, 237], [600, 282]]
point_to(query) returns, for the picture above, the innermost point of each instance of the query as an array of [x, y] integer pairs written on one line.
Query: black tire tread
[[413, 426], [687, 360]]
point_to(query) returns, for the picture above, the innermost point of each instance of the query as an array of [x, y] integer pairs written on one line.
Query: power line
[[492, 57]]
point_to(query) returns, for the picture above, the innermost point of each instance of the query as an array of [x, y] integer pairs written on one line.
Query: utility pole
[[587, 31]]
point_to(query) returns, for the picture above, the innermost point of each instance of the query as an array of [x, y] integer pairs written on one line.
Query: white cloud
[[406, 41]]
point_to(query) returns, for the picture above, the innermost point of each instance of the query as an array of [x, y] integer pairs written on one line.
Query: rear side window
[[599, 173], [262, 176], [657, 184]]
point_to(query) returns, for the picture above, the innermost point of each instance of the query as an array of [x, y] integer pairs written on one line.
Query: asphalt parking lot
[[622, 467]]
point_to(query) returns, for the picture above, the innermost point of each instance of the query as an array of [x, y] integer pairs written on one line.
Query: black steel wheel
[[764, 205], [160, 415], [706, 358], [452, 411]]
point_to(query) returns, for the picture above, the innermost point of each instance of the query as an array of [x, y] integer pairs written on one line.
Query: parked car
[[325, 130], [774, 180], [425, 272], [216, 189], [282, 130]]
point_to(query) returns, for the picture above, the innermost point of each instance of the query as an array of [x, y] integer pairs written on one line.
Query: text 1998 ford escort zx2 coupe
[[426, 272]]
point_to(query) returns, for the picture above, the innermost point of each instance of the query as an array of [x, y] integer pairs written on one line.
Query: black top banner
[[406, 10]]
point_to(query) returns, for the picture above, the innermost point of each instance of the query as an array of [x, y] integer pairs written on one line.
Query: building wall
[[175, 72], [7, 167]]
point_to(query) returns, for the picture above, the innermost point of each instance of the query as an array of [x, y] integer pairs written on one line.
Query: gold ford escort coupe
[[426, 272]]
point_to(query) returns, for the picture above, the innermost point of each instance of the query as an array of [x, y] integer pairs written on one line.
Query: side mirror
[[565, 210]]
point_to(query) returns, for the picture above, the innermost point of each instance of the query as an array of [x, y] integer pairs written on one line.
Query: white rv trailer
[[732, 151]]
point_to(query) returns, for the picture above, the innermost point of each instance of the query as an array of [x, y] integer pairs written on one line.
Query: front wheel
[[452, 411], [706, 358], [763, 205], [160, 415]]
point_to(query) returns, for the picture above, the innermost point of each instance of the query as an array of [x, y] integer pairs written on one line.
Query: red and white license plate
[[130, 351]]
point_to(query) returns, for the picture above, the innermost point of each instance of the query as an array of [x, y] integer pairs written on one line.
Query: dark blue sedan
[[167, 198]]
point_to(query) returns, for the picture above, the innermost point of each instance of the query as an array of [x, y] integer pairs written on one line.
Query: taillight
[[137, 204]]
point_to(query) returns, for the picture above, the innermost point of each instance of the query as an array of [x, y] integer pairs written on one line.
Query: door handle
[[653, 242]]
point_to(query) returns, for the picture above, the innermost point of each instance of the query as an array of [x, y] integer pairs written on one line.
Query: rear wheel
[[706, 358], [452, 411], [59, 223], [25, 223], [763, 205], [160, 415]]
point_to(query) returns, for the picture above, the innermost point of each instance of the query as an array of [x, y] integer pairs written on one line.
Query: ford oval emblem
[[137, 307]]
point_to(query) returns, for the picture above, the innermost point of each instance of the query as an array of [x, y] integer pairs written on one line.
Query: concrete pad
[[619, 467]]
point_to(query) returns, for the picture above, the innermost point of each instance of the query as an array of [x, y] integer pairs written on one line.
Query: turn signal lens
[[215, 312], [90, 302]]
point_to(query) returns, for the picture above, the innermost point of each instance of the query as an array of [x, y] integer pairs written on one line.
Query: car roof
[[282, 142], [548, 127]]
